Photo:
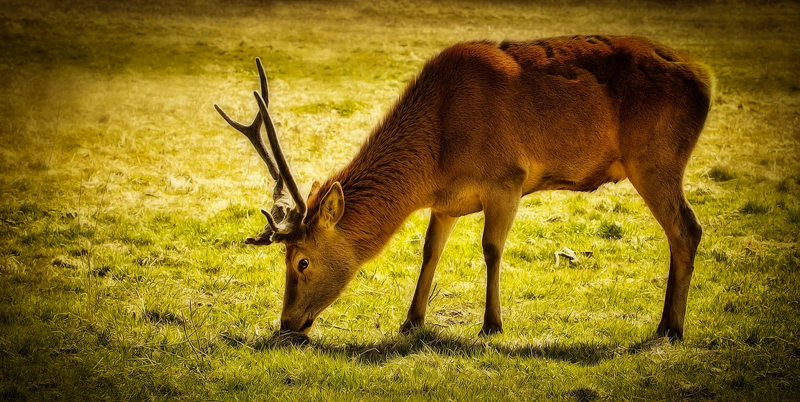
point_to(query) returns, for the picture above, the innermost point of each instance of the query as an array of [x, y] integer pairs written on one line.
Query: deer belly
[[583, 181], [458, 201]]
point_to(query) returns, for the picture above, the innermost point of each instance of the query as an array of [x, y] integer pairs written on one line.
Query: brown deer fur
[[484, 124]]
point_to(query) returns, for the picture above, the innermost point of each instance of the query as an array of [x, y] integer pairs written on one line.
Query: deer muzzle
[[302, 325]]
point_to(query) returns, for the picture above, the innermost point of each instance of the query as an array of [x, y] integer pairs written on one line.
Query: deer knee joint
[[692, 229]]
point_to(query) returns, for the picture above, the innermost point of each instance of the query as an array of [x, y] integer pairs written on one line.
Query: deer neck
[[390, 177]]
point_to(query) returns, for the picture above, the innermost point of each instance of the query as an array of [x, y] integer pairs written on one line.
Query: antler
[[285, 222]]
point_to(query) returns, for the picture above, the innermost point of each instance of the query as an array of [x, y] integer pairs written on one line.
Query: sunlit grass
[[125, 200]]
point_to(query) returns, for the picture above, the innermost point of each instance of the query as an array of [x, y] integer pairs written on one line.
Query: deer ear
[[332, 207]]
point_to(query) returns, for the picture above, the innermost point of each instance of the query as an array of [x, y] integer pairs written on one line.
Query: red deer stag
[[482, 125]]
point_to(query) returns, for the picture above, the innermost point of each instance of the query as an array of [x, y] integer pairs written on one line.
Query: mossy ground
[[125, 199]]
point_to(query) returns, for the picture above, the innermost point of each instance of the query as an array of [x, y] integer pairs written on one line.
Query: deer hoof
[[410, 325], [670, 333], [491, 330]]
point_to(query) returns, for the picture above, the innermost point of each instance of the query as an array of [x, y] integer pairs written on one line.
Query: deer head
[[319, 259]]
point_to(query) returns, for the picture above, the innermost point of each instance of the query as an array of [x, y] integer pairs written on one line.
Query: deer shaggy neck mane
[[390, 176]]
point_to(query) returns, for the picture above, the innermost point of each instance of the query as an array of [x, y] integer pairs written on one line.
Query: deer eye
[[302, 265]]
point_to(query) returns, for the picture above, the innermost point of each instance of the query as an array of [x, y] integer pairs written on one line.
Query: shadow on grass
[[431, 340]]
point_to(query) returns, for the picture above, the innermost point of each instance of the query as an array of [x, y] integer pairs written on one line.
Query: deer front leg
[[438, 231], [499, 215]]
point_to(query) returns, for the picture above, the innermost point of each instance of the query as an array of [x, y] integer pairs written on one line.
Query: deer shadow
[[427, 340]]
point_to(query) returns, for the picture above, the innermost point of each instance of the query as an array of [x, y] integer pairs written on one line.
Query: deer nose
[[307, 325], [286, 325]]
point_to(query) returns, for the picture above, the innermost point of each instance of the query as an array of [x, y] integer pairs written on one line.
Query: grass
[[125, 200]]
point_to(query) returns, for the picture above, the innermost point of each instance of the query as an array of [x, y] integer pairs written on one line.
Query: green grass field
[[125, 200]]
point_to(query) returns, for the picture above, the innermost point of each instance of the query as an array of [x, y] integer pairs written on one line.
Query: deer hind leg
[[661, 188], [499, 216], [439, 230]]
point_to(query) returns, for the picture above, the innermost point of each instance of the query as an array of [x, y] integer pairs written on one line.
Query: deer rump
[[485, 123]]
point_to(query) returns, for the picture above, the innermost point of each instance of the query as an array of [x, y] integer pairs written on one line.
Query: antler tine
[[263, 79], [252, 132], [246, 130], [283, 167], [270, 220]]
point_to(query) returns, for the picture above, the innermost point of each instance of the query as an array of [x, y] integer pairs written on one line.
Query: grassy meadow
[[125, 201]]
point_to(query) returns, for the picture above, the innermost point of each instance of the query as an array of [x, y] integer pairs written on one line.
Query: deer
[[482, 125]]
